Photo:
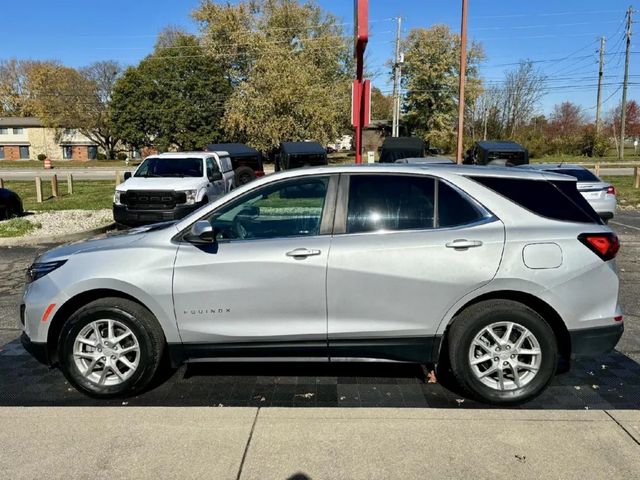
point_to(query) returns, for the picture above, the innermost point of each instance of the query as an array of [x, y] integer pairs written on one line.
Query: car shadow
[[609, 382]]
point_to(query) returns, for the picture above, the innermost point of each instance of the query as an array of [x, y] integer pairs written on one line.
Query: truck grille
[[153, 199]]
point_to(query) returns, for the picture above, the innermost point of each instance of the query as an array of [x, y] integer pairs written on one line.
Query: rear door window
[[454, 209], [558, 200], [390, 202]]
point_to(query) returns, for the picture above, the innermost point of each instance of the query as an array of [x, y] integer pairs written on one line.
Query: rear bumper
[[39, 351], [591, 342], [132, 218]]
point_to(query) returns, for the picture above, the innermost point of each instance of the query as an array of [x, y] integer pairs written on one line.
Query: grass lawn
[[37, 164], [17, 227], [627, 195], [87, 195]]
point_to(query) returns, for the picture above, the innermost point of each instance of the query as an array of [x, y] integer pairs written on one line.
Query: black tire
[[244, 175], [139, 320], [471, 321]]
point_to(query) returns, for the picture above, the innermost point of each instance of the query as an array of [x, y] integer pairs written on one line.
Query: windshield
[[170, 167]]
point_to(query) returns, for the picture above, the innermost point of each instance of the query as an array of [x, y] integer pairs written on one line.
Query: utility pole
[[623, 113], [395, 127], [600, 75], [463, 73]]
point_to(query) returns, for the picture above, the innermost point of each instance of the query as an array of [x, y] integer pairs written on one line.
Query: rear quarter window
[[558, 200]]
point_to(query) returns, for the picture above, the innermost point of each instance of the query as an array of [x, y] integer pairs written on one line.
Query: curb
[[71, 237]]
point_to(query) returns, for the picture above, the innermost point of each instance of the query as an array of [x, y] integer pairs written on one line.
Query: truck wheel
[[244, 175], [502, 352], [111, 347]]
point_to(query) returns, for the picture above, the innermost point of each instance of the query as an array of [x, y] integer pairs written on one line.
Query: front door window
[[286, 209]]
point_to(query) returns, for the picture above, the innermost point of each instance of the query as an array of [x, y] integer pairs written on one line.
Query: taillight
[[611, 190], [605, 245]]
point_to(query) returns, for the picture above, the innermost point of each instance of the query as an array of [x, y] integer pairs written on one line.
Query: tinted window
[[558, 200], [287, 209], [170, 167], [24, 152], [390, 202], [454, 209], [581, 174]]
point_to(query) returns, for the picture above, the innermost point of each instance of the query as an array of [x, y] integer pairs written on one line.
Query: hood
[[102, 242], [162, 183]]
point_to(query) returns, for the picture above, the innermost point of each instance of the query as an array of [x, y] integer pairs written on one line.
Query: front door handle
[[302, 252], [463, 244]]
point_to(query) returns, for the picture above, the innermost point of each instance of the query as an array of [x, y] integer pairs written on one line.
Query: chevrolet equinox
[[494, 272]]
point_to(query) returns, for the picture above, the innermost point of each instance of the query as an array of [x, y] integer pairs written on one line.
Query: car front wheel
[[111, 347], [502, 352]]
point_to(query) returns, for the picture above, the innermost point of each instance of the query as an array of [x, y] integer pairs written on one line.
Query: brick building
[[24, 138]]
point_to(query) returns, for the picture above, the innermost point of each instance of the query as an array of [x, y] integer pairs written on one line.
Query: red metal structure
[[361, 94]]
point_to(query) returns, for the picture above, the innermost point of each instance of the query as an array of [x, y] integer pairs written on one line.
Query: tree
[[430, 77], [96, 121], [290, 66], [522, 89], [381, 105], [566, 120], [632, 120], [173, 98]]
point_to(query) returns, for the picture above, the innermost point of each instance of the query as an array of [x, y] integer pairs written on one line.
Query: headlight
[[38, 270], [117, 197], [191, 196]]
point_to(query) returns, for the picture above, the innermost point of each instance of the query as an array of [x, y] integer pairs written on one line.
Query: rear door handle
[[461, 244], [302, 252]]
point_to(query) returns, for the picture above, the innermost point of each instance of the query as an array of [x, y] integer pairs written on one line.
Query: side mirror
[[127, 175], [201, 232], [215, 176]]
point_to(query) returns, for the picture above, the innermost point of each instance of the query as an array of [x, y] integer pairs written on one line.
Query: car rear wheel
[[244, 175], [502, 352], [111, 347]]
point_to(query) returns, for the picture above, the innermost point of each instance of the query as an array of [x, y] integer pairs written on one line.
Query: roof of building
[[20, 122]]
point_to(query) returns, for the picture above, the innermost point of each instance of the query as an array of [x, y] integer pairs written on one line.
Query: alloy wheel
[[106, 352], [505, 356]]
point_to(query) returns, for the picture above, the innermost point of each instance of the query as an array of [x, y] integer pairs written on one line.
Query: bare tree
[[522, 90], [96, 112]]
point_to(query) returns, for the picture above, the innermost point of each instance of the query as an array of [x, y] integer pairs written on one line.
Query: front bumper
[[133, 218], [39, 351], [591, 342]]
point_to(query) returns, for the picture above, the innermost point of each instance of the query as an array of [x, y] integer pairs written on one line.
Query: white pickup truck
[[168, 186]]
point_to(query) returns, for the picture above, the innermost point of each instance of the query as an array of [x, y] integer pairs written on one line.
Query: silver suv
[[461, 266]]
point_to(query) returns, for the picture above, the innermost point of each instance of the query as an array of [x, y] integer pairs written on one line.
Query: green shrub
[[121, 156], [41, 157], [101, 156]]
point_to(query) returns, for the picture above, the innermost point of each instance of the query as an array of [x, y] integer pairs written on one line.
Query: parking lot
[[609, 382]]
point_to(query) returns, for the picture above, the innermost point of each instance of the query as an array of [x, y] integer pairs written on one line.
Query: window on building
[[24, 152], [1, 153], [18, 131], [92, 152], [67, 152], [4, 131]]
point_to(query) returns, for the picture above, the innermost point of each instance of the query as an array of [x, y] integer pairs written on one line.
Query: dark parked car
[[397, 148], [246, 161], [300, 154], [10, 204], [498, 153]]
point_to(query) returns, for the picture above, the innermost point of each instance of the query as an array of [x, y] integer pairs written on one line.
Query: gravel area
[[65, 222]]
